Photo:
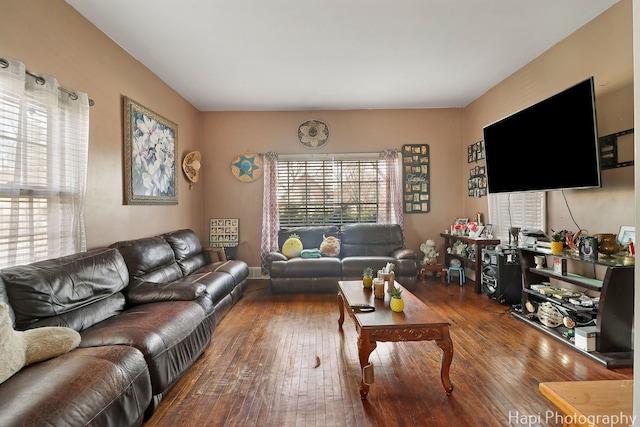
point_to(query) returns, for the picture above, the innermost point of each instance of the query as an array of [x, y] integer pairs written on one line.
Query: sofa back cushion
[[187, 250], [150, 259], [311, 237], [366, 239], [62, 291]]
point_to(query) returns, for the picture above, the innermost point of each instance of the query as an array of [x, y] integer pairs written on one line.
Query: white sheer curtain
[[390, 187], [270, 217], [44, 138]]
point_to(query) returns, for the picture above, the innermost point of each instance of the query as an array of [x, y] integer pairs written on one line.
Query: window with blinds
[[43, 159], [526, 210], [328, 192]]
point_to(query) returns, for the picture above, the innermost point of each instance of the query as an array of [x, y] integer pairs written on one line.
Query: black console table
[[613, 313]]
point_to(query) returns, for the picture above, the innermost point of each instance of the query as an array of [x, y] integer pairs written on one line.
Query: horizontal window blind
[[323, 192], [526, 210]]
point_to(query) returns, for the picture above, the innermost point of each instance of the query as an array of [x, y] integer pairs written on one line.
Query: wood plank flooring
[[280, 360]]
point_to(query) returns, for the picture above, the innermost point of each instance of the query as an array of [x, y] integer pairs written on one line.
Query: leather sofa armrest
[[142, 292], [404, 253], [275, 256], [215, 254]]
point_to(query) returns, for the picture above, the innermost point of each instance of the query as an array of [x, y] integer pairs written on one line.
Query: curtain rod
[[4, 64], [328, 156]]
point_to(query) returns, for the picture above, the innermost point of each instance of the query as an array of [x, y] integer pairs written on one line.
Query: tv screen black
[[551, 145]]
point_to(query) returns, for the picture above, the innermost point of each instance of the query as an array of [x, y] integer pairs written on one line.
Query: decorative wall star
[[247, 167]]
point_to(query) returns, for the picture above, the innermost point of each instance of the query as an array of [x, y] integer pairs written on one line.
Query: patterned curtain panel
[[270, 217], [390, 208], [44, 140]]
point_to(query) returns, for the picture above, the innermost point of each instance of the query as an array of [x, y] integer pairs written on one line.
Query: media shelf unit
[[614, 312], [474, 263]]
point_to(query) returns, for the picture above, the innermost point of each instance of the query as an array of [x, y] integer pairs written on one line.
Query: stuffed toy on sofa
[[22, 348], [330, 246]]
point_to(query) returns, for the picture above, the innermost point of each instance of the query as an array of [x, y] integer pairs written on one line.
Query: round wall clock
[[247, 167], [313, 133]]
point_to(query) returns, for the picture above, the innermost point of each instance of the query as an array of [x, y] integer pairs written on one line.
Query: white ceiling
[[275, 55]]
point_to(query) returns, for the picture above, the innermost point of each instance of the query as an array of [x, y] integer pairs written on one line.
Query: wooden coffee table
[[416, 323]]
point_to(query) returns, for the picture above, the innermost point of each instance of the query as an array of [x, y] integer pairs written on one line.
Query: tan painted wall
[[229, 134], [51, 38], [603, 49]]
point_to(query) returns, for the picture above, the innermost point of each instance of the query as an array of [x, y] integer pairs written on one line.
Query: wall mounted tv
[[551, 145]]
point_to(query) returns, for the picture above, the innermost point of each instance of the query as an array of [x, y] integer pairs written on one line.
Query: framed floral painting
[[150, 143]]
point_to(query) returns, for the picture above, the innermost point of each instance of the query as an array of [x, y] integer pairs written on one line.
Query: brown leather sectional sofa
[[146, 310], [361, 245]]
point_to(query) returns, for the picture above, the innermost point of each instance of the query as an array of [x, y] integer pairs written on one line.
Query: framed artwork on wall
[[150, 143], [224, 232], [477, 183], [475, 152], [415, 178]]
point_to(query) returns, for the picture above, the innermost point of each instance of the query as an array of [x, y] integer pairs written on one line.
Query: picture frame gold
[[150, 144]]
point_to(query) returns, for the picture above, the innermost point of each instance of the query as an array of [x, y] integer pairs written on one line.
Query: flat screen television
[[551, 145]]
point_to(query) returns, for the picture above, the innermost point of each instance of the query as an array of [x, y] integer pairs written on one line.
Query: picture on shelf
[[462, 221], [589, 247], [486, 232], [626, 234], [477, 233]]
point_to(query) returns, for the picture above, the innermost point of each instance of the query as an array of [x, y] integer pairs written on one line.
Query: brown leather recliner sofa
[[146, 309], [361, 245]]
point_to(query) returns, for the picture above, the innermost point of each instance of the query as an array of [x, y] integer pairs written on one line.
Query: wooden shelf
[[476, 262]]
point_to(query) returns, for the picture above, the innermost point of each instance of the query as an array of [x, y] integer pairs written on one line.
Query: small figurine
[[568, 240], [430, 252]]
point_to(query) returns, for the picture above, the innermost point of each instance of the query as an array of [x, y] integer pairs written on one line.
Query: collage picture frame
[[475, 152], [477, 184], [415, 178]]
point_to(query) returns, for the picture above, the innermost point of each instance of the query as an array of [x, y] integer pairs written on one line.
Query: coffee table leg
[[365, 347], [341, 308], [447, 356]]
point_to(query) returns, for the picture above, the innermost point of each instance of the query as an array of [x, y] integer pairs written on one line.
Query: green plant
[[557, 237], [368, 272], [396, 292]]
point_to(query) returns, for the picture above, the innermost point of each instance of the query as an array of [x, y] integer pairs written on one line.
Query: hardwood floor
[[280, 360]]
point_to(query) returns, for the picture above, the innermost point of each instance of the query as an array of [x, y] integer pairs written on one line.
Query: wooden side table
[[434, 269], [476, 262]]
